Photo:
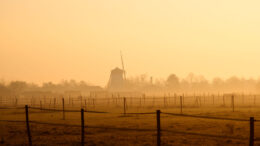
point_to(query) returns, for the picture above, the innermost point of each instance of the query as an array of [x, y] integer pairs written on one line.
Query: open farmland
[[106, 123]]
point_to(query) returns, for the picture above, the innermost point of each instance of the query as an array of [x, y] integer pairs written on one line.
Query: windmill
[[117, 77]]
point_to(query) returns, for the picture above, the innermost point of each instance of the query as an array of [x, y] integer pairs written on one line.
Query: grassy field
[[113, 128]]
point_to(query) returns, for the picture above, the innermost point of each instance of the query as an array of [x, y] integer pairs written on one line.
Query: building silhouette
[[116, 80]]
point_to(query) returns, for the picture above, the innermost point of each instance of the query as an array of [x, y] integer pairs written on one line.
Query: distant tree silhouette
[[173, 82], [18, 86]]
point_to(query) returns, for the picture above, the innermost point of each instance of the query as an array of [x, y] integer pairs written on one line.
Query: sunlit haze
[[50, 40]]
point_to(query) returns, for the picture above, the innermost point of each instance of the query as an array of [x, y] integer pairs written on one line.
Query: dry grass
[[15, 133]]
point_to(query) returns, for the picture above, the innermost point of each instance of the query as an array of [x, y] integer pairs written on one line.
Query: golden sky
[[51, 40]]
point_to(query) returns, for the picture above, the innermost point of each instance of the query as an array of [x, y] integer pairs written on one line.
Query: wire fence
[[234, 101], [251, 136]]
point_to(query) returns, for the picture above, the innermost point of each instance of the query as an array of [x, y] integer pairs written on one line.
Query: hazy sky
[[51, 40]]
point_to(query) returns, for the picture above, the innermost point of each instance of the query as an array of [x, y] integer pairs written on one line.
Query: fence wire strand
[[100, 112], [205, 117], [54, 110], [95, 127], [11, 107], [12, 121], [54, 124], [148, 113], [88, 111], [206, 135]]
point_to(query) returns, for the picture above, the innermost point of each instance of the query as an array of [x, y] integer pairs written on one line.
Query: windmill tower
[[117, 78]]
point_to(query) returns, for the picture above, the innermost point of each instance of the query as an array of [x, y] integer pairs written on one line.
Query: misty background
[[42, 41], [143, 84]]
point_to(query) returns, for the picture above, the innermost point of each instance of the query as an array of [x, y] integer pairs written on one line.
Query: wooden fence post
[[175, 99], [112, 99], [144, 98], [44, 100], [254, 99], [33, 102], [153, 101], [164, 99], [93, 103], [54, 102], [140, 102], [50, 103], [181, 103], [27, 125], [183, 97], [124, 106], [63, 109], [213, 98], [199, 98], [82, 128], [16, 101], [40, 105], [204, 99], [108, 101], [85, 104], [243, 99], [224, 101], [158, 112], [116, 99], [131, 102], [233, 104], [81, 104], [252, 132], [169, 99]]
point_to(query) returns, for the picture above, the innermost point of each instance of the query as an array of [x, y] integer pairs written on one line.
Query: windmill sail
[[123, 66]]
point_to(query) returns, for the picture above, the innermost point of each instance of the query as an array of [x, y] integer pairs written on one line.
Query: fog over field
[[191, 84], [129, 72]]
